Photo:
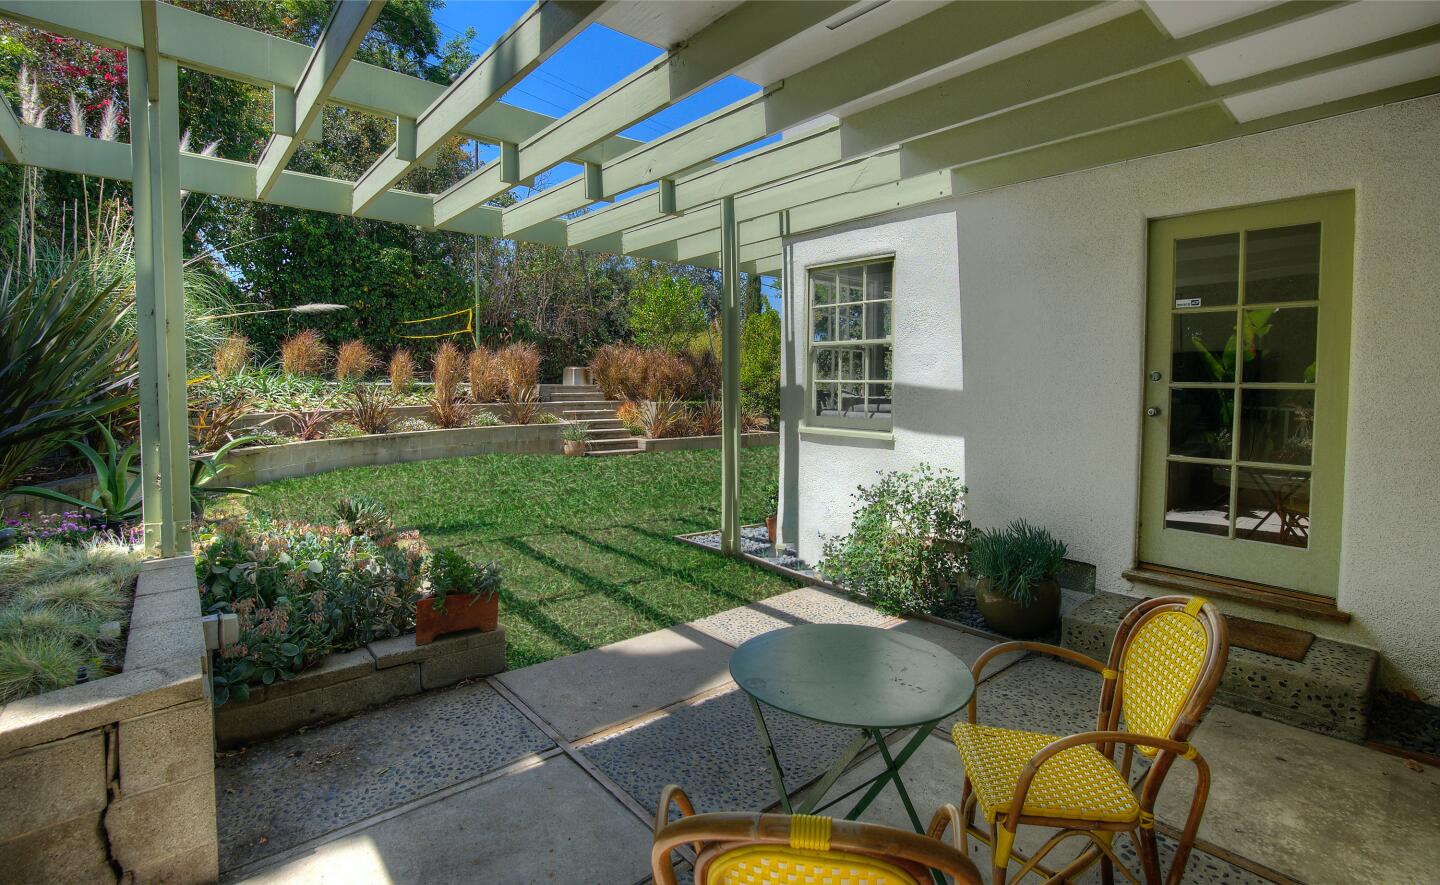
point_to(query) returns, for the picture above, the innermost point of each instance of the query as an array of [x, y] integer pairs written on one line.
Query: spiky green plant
[[116, 497], [35, 664], [88, 595], [38, 563], [1016, 558], [77, 628]]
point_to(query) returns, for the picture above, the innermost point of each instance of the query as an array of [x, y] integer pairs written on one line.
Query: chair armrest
[[946, 816], [1043, 648]]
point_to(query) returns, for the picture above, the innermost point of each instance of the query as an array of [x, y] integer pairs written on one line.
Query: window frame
[[811, 420]]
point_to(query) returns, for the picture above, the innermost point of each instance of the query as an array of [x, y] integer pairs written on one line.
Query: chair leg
[[1149, 852], [967, 817], [1107, 871]]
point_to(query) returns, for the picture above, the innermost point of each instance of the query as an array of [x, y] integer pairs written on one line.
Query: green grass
[[587, 544]]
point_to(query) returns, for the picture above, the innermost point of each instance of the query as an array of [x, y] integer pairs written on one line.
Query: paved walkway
[[551, 773]]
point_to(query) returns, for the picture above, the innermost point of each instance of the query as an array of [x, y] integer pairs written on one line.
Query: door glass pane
[[1207, 271], [877, 281], [1282, 264], [852, 325], [877, 320], [1204, 347], [824, 364], [824, 324], [1201, 422], [824, 287], [1277, 425], [1280, 344], [1197, 498], [1273, 506], [850, 284]]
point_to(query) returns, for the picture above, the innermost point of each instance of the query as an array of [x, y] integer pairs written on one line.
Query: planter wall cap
[[158, 643], [59, 714], [332, 669], [164, 607], [164, 575], [403, 650]]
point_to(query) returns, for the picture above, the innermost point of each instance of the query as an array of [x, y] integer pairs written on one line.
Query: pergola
[[882, 105]]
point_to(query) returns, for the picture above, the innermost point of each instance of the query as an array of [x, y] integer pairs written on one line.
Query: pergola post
[[160, 304], [730, 319]]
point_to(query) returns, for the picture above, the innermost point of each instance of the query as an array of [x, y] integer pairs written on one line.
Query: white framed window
[[851, 344]]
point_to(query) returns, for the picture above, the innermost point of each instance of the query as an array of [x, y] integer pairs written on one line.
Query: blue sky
[[592, 62]]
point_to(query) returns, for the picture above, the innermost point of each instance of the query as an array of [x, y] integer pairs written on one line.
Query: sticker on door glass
[[1186, 302]]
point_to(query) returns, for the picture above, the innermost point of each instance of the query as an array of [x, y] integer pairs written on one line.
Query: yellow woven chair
[[1165, 663], [749, 848]]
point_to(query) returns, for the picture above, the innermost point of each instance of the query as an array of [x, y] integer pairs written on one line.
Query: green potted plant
[[574, 434], [462, 596], [1017, 590]]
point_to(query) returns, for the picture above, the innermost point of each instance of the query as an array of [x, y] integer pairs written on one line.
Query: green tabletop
[[844, 674]]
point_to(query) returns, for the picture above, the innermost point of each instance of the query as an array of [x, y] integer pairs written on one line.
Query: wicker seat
[[1165, 663], [747, 848]]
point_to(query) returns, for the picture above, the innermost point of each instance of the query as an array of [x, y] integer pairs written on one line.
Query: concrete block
[[332, 668], [196, 866], [480, 659], [73, 851], [165, 607], [135, 692], [403, 650], [165, 747], [164, 575], [162, 822], [277, 715], [156, 644], [51, 783]]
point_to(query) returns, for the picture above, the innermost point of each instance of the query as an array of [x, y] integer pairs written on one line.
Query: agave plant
[[63, 363], [204, 469], [116, 498]]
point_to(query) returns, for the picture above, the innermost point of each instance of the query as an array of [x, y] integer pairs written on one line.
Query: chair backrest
[[737, 847], [1169, 654]]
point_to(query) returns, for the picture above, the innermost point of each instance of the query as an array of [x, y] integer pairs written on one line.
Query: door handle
[[1153, 411]]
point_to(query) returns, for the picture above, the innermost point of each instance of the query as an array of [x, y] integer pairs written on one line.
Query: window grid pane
[[851, 342]]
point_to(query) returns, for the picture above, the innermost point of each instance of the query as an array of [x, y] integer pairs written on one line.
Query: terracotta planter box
[[770, 528], [463, 611]]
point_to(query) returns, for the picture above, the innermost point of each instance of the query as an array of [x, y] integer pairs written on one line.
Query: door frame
[[1314, 569]]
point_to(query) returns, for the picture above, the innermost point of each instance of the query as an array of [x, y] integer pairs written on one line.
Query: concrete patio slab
[[594, 690], [1317, 808], [712, 749], [808, 605], [1038, 694], [965, 646], [549, 823], [284, 792]]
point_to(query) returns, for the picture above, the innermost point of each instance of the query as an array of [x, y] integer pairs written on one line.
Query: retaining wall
[[349, 682], [115, 779], [684, 443]]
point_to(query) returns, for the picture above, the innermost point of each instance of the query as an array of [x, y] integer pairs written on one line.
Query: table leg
[[892, 773], [775, 773], [817, 792]]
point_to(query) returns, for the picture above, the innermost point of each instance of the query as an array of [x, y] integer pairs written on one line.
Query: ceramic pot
[[1011, 618], [463, 611]]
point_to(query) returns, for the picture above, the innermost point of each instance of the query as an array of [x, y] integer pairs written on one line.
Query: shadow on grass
[[685, 577], [608, 589]]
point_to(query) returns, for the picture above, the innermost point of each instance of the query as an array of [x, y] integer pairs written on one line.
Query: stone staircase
[[587, 404]]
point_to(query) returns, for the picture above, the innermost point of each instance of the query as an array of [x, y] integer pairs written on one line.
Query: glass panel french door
[[1244, 396]]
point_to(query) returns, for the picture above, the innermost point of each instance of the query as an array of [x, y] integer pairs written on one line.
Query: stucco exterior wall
[[1019, 326]]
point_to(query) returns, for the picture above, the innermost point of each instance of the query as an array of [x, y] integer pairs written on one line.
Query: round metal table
[[865, 678]]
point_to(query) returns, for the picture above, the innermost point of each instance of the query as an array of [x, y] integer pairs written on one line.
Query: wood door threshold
[[1275, 598]]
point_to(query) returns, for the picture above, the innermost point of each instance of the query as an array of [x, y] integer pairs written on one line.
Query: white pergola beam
[[735, 38], [544, 28], [915, 49], [350, 21]]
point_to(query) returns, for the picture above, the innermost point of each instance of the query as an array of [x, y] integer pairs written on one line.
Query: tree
[[760, 364], [666, 312]]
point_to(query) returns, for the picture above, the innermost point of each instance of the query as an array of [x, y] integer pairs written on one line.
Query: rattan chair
[[1165, 663], [740, 848]]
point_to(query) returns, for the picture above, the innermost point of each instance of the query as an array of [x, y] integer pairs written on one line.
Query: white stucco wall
[[1019, 327]]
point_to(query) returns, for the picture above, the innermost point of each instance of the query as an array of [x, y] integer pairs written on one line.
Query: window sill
[[848, 432]]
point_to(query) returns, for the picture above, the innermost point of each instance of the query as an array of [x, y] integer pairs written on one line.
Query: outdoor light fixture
[[855, 13]]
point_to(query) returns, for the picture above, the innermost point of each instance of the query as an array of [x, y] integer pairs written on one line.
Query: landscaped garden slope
[[586, 543]]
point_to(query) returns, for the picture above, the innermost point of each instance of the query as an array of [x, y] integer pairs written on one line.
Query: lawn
[[587, 544]]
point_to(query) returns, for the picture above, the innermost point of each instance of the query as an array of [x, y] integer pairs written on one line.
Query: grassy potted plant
[[463, 596], [574, 434], [1017, 590]]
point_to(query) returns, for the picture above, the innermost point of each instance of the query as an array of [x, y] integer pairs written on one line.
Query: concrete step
[[601, 453], [589, 414], [600, 445], [610, 433], [1328, 692]]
